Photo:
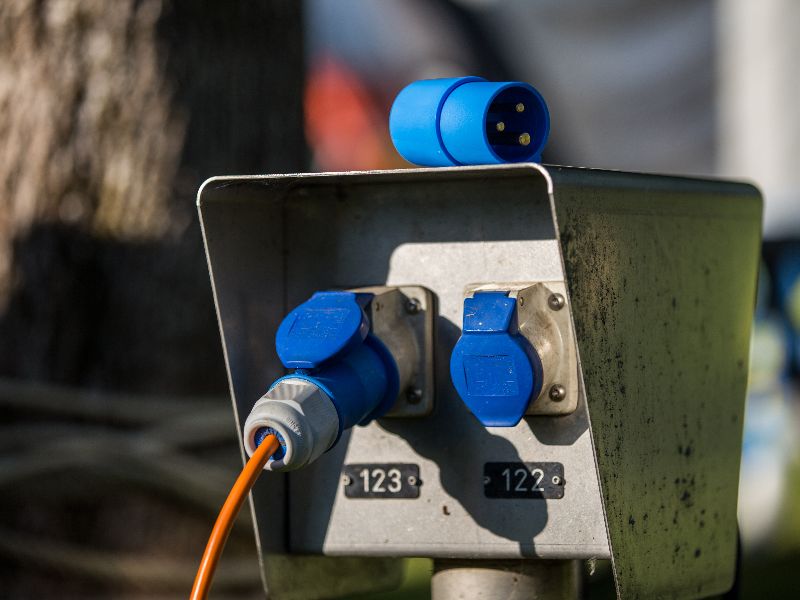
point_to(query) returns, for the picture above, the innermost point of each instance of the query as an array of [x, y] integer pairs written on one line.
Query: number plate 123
[[395, 480], [523, 480]]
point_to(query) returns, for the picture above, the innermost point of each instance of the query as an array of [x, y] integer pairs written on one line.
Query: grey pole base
[[505, 580]]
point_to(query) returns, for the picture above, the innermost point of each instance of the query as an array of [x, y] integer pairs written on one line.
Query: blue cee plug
[[469, 121], [342, 375]]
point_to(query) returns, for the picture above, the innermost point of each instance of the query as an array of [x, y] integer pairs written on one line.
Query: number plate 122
[[523, 480]]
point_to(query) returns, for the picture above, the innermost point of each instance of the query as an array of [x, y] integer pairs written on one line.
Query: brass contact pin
[[520, 107], [510, 138], [500, 126]]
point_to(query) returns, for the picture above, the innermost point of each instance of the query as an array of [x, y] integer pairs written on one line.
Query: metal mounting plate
[[403, 317]]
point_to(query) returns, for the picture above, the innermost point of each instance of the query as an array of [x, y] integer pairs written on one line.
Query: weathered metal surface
[[662, 275]]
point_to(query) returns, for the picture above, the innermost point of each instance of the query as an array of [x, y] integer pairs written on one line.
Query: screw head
[[521, 300], [346, 480], [556, 480], [556, 301], [412, 480], [414, 395], [413, 306], [557, 392]]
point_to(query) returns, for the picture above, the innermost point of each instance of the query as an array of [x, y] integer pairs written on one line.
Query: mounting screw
[[346, 480], [556, 301], [412, 480], [556, 480], [557, 392], [521, 300], [413, 395], [413, 306]]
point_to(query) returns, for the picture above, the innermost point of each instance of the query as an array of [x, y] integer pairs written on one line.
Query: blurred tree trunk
[[111, 116]]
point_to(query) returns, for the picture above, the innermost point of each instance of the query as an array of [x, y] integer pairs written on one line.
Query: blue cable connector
[[342, 375], [469, 121]]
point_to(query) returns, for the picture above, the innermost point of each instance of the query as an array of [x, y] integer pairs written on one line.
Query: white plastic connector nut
[[302, 414]]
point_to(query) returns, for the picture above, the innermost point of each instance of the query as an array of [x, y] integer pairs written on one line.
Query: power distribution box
[[635, 457]]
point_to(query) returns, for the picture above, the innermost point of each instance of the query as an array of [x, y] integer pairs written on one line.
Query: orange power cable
[[228, 514]]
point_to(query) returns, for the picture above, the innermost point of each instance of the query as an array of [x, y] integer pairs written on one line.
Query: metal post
[[505, 580]]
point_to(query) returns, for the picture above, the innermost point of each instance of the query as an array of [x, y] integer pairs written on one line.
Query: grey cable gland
[[303, 414]]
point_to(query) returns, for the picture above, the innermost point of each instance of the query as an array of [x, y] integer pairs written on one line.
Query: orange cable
[[227, 516]]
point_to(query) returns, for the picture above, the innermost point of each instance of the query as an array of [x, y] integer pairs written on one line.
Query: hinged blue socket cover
[[493, 368], [328, 340], [322, 328]]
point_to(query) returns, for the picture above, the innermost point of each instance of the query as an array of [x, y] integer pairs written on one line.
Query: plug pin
[[510, 138], [498, 109], [500, 126]]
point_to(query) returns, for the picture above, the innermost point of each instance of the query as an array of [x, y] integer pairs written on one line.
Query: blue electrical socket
[[469, 121]]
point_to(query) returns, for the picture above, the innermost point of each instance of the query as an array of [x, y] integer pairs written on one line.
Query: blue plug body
[[494, 369], [327, 341], [469, 121]]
